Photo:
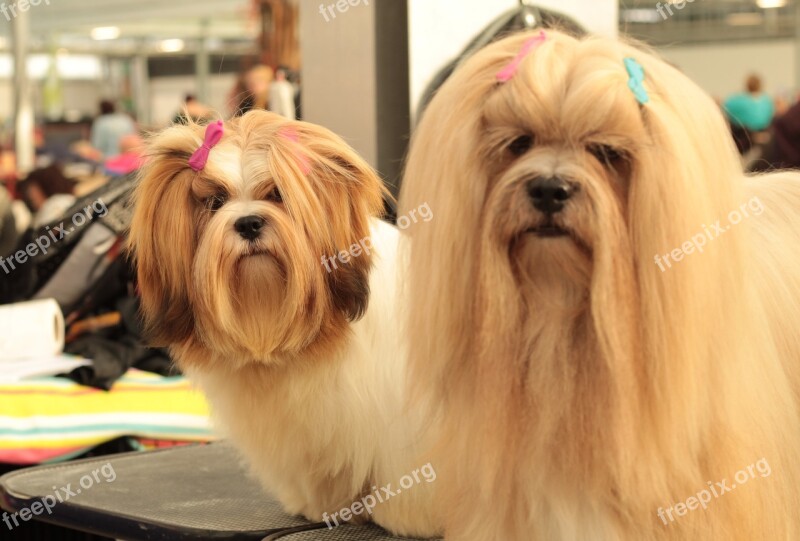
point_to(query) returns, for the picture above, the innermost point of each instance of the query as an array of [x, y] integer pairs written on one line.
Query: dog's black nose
[[249, 227], [549, 194]]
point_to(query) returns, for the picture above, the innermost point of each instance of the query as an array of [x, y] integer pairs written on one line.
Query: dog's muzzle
[[249, 227], [550, 194]]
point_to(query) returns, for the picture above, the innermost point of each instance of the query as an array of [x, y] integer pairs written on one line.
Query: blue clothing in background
[[108, 130], [753, 112]]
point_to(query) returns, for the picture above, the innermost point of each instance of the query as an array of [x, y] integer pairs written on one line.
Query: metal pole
[[202, 63], [796, 48], [23, 103], [141, 86]]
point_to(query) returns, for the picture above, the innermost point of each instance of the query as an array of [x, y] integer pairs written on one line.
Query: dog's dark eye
[[275, 196], [215, 202], [607, 154], [520, 145]]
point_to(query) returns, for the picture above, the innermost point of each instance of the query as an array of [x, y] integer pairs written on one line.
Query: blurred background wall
[[359, 67]]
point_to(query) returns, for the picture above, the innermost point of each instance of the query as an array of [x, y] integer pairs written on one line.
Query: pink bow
[[214, 133], [292, 135], [507, 73]]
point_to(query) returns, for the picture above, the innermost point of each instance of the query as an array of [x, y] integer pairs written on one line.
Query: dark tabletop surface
[[199, 492]]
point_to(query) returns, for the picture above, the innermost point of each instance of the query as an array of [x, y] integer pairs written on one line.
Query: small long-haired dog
[[585, 393], [299, 354]]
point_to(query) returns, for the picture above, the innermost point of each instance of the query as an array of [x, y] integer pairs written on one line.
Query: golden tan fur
[[581, 387], [334, 204], [301, 374]]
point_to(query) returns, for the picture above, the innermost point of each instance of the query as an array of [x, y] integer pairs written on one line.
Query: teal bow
[[636, 81]]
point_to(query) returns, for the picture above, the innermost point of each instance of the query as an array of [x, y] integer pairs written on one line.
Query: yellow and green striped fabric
[[51, 419]]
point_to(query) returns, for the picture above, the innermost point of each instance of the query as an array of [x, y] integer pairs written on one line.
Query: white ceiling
[[68, 23], [707, 21]]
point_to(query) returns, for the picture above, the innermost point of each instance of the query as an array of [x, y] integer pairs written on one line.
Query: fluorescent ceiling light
[[171, 45], [767, 4], [87, 67], [214, 44], [79, 66], [745, 19], [105, 32], [640, 16]]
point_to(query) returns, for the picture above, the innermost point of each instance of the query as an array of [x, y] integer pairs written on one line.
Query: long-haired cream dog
[[588, 394], [238, 240]]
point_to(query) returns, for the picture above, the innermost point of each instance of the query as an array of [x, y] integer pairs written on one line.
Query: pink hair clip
[[292, 135], [507, 73], [213, 136]]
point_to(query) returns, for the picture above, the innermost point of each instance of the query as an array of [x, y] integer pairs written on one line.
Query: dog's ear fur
[[162, 240], [349, 283], [349, 289], [350, 195]]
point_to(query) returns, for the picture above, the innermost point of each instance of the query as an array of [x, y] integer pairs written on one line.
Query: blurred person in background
[[130, 158], [8, 225], [109, 128], [749, 112], [783, 150], [193, 111], [281, 95], [47, 193], [257, 82], [782, 106]]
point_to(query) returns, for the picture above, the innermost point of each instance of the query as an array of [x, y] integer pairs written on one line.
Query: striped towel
[[52, 419]]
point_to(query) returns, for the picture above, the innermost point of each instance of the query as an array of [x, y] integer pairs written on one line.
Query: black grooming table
[[199, 492], [343, 533]]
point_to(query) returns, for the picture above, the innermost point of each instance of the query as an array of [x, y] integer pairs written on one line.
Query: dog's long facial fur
[[206, 287], [584, 388], [266, 328]]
